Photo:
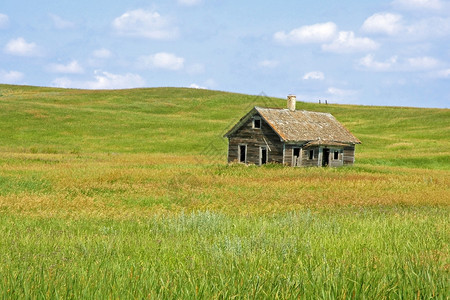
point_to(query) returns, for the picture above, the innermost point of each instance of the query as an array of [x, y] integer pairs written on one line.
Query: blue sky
[[393, 52]]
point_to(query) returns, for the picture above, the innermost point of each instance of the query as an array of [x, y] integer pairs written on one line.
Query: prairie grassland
[[126, 194], [136, 185], [399, 253]]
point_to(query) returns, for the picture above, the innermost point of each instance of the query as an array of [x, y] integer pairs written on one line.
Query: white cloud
[[71, 68], [317, 33], [143, 23], [10, 76], [399, 65], [422, 63], [315, 75], [268, 63], [341, 92], [369, 62], [103, 80], [418, 4], [430, 27], [102, 53], [4, 21], [20, 47], [393, 25], [386, 23], [441, 74], [346, 42], [189, 2], [162, 60], [196, 86], [60, 23]]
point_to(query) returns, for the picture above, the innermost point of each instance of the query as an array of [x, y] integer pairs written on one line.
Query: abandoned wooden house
[[292, 137]]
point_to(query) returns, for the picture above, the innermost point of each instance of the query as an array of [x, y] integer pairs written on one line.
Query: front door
[[242, 153], [296, 157], [263, 155], [325, 157]]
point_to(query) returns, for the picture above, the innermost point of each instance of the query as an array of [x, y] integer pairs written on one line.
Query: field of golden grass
[[132, 185], [127, 194]]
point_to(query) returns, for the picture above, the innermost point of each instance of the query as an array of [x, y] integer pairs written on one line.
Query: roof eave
[[240, 122]]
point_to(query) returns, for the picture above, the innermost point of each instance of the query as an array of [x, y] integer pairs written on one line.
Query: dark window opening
[[257, 123], [336, 154], [263, 155], [311, 154], [296, 152], [242, 154]]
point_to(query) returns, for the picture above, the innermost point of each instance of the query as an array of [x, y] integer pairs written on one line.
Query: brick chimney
[[291, 101]]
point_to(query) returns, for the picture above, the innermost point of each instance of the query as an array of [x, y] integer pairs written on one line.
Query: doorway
[[296, 157], [263, 155], [325, 157], [243, 153]]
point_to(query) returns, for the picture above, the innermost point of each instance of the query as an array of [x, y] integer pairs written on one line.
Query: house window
[[257, 123], [311, 154], [242, 153], [336, 155]]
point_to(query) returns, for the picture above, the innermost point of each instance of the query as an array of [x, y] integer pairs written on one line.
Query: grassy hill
[[188, 121], [126, 194]]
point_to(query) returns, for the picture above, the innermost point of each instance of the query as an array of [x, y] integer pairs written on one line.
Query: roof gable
[[301, 126]]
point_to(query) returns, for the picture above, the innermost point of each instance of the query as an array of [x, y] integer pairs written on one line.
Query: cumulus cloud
[[268, 63], [443, 74], [427, 28], [20, 47], [103, 80], [394, 25], [4, 21], [418, 4], [10, 76], [346, 42], [61, 23], [370, 63], [189, 2], [196, 86], [71, 68], [386, 23], [162, 60], [102, 53], [144, 23], [422, 63], [341, 92], [317, 33], [314, 75]]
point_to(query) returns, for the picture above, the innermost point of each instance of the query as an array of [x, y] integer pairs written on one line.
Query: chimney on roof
[[291, 101]]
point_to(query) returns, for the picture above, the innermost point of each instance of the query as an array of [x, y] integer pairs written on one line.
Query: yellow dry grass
[[139, 185]]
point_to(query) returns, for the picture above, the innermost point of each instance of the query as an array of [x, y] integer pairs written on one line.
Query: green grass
[[126, 194], [370, 254], [187, 121]]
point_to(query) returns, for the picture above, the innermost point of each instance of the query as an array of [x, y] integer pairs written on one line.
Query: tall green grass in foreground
[[126, 194], [371, 253]]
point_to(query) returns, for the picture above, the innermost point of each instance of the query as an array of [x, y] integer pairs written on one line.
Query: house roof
[[301, 126]]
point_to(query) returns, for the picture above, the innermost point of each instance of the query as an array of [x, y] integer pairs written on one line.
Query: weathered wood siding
[[254, 139], [288, 153], [336, 162], [305, 161], [314, 162], [349, 155]]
